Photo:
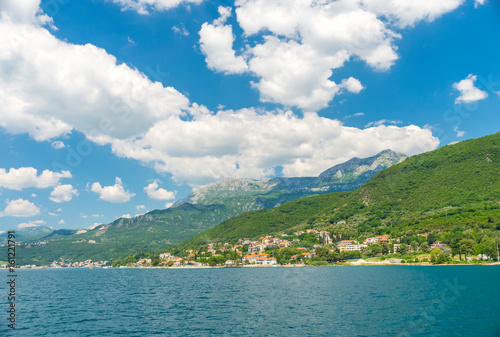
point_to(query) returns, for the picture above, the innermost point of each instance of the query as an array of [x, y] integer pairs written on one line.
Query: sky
[[112, 108]]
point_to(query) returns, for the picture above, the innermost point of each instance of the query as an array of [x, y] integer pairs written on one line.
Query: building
[[438, 244], [350, 246], [268, 261], [252, 258]]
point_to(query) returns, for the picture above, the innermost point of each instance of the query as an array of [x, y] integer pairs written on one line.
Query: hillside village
[[313, 247]]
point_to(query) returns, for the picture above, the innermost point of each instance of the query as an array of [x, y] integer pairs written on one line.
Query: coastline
[[282, 266]]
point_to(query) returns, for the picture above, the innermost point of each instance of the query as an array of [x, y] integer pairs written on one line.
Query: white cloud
[[33, 195], [25, 177], [58, 145], [459, 132], [96, 224], [478, 3], [180, 29], [303, 40], [115, 193], [63, 193], [68, 86], [382, 122], [31, 224], [61, 222], [249, 143], [468, 92], [352, 85], [82, 87], [140, 207], [404, 13], [20, 208], [53, 214], [168, 204], [144, 6], [216, 43], [154, 192], [126, 216]]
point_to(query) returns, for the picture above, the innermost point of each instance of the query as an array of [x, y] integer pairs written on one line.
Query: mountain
[[243, 195], [454, 188], [30, 233], [199, 211]]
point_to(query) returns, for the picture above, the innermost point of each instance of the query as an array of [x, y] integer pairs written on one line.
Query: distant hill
[[454, 187], [243, 195], [201, 210], [25, 234]]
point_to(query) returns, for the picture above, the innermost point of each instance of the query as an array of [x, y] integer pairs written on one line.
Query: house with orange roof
[[252, 258], [285, 243]]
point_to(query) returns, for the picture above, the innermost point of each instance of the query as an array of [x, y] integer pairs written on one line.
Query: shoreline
[[282, 266]]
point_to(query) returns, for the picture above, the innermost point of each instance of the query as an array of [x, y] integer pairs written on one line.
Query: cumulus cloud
[[63, 193], [140, 207], [96, 224], [302, 41], [216, 43], [381, 122], [126, 216], [31, 224], [61, 222], [478, 3], [20, 208], [251, 143], [82, 87], [154, 192], [468, 92], [69, 86], [352, 85], [458, 132], [115, 193], [58, 145], [144, 6], [25, 177], [180, 29]]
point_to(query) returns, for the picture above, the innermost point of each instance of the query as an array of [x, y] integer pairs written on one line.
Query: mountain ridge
[[201, 210], [454, 188]]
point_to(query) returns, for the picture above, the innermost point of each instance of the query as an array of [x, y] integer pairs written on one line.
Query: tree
[[455, 248], [325, 254], [437, 257], [424, 247], [431, 238], [403, 249], [466, 246], [414, 246]]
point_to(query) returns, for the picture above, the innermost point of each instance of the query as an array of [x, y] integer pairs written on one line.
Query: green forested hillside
[[201, 210], [454, 188]]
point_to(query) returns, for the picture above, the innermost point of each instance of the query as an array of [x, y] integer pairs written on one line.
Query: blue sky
[[118, 107]]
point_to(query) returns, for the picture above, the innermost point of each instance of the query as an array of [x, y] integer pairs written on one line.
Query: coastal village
[[307, 247], [300, 248]]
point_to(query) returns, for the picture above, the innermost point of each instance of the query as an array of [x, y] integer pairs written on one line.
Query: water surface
[[315, 301]]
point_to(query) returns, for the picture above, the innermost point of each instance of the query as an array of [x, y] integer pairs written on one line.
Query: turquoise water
[[317, 301]]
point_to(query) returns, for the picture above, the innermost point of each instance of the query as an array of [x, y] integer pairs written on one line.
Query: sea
[[309, 301]]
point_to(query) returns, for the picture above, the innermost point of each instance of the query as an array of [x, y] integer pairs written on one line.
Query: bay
[[313, 301]]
